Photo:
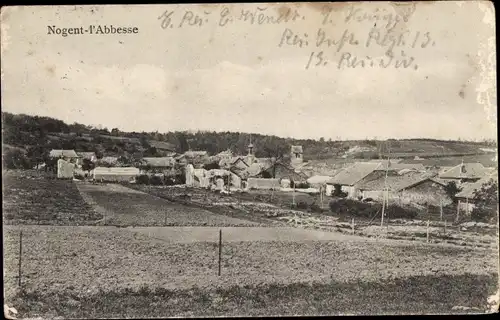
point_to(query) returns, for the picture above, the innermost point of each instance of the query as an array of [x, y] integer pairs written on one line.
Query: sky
[[238, 78]]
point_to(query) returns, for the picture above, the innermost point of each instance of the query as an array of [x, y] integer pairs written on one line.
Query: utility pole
[[386, 191]]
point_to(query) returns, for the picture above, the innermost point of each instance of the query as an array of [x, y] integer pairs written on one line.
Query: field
[[36, 198], [93, 265], [119, 251]]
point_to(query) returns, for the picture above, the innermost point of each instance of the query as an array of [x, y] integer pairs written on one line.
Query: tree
[[87, 165], [486, 201], [451, 190], [16, 159], [212, 165], [182, 142]]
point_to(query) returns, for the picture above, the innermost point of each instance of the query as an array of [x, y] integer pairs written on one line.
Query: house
[[196, 158], [281, 171], [156, 164], [224, 155], [465, 172], [466, 197], [68, 155], [386, 165], [123, 174], [296, 156], [162, 146], [410, 186], [65, 169], [348, 177], [91, 156], [318, 181]]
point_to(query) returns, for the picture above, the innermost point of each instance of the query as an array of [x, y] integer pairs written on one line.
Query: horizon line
[[326, 139]]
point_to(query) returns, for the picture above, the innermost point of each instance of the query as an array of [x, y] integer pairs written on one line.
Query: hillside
[[35, 136]]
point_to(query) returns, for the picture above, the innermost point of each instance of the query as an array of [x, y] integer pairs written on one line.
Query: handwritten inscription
[[335, 41]]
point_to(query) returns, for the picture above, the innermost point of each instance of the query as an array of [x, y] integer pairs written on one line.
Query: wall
[[65, 169], [261, 183], [427, 192]]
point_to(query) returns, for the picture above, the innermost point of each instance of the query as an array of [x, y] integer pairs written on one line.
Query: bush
[[313, 207], [484, 214], [368, 210], [156, 181], [302, 185], [142, 179], [79, 176], [302, 205]]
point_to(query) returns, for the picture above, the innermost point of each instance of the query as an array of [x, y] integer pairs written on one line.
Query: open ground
[[160, 258]]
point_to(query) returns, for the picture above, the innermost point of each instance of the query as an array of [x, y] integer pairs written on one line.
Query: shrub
[[156, 180], [142, 179], [302, 205], [78, 176], [302, 185], [313, 207], [364, 209]]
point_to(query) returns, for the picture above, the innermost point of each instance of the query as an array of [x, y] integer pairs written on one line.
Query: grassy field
[[31, 197], [123, 206], [86, 271], [102, 271]]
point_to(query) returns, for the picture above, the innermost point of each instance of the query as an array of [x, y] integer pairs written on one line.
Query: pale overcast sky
[[236, 78]]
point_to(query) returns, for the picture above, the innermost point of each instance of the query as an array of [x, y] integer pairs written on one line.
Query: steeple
[[250, 147]]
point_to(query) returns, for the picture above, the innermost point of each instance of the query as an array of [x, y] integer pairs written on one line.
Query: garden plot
[[39, 199], [122, 206]]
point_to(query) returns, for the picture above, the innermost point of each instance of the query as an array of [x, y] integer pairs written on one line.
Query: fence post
[[441, 210], [428, 230], [220, 249], [20, 255], [352, 225], [445, 227]]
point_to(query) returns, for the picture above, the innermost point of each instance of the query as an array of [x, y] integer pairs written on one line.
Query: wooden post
[[441, 211], [20, 255], [427, 230], [445, 227], [293, 195], [220, 249], [352, 225], [383, 210], [458, 211]]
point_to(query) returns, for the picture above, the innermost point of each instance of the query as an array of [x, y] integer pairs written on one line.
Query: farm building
[[407, 187], [68, 155], [91, 156], [157, 163], [196, 158], [401, 166], [465, 172], [163, 148], [348, 177], [123, 174], [65, 169], [321, 181], [466, 197], [281, 171], [234, 162]]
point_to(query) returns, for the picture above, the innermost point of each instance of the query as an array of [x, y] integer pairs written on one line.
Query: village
[[377, 180]]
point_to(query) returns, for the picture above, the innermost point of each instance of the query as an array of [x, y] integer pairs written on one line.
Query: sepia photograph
[[249, 160]]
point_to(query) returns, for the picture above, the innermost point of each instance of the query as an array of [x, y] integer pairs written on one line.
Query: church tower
[[250, 158]]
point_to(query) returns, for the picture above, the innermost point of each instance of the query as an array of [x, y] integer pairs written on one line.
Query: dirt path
[[123, 206]]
